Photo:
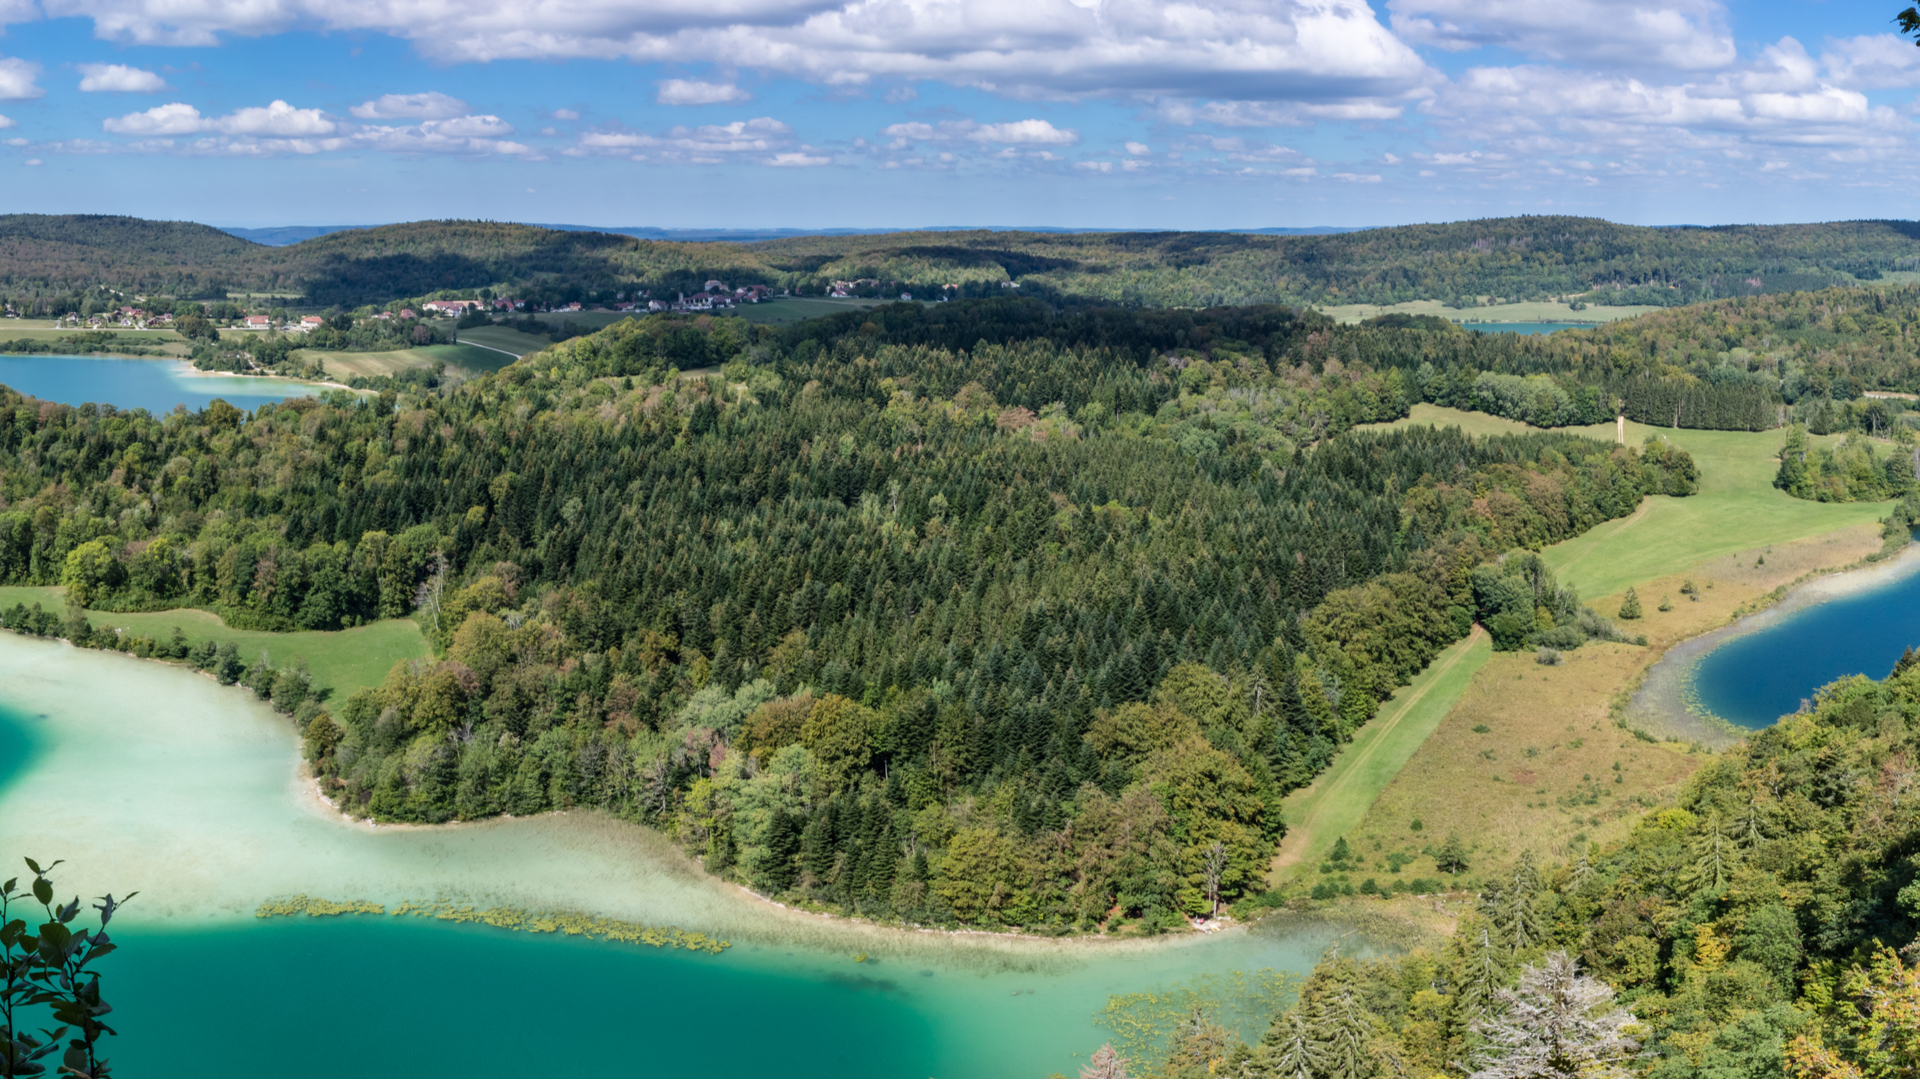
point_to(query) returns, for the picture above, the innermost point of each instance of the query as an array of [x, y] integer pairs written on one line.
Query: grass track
[[345, 660], [1334, 803]]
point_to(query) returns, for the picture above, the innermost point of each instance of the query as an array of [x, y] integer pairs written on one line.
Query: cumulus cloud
[[1260, 114], [17, 79], [1689, 35], [5, 123], [119, 78], [1871, 62], [428, 106], [1025, 133], [695, 92], [278, 119], [1255, 50], [762, 139]]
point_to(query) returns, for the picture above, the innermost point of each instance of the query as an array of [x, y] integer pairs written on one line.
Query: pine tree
[[1630, 607], [1452, 856], [1287, 1047]]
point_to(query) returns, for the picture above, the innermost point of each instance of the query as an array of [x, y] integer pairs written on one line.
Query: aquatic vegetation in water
[[303, 904], [1143, 1024], [507, 918]]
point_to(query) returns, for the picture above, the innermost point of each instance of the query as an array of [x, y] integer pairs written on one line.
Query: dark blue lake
[[154, 385], [1754, 680]]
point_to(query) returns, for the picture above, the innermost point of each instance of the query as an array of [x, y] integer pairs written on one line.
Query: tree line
[[1022, 634]]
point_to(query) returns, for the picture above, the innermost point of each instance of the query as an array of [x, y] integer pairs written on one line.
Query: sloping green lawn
[[345, 660]]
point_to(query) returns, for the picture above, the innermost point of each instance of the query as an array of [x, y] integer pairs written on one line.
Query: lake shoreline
[[1666, 704]]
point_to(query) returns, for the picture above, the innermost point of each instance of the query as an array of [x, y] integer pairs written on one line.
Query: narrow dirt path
[[1300, 836]]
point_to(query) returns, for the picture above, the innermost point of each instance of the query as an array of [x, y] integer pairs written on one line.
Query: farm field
[[793, 309], [344, 365], [344, 660], [1525, 312], [504, 338]]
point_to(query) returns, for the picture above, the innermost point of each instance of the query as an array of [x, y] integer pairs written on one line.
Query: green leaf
[[43, 890]]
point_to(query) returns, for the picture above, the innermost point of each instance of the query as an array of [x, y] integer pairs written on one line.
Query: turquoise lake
[[154, 385], [146, 776], [1754, 679]]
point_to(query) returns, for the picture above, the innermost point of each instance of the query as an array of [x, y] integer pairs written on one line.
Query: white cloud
[[1357, 178], [1260, 114], [95, 78], [428, 106], [1872, 62], [694, 92], [34, 161], [1253, 50], [278, 118], [175, 118], [1689, 35], [17, 79], [1025, 133], [798, 160], [1138, 149], [768, 140], [565, 114], [5, 123], [1094, 166]]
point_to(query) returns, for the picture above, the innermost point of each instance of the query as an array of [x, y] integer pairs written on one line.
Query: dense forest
[[1762, 926], [1032, 633], [1526, 258]]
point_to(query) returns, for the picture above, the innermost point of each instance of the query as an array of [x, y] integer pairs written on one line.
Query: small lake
[[154, 385], [1527, 327], [150, 777]]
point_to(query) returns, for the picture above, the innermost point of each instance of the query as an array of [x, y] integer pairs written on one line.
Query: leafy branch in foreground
[[52, 969]]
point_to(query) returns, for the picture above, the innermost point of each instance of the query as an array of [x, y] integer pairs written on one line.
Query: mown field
[[1527, 311], [344, 365], [343, 660], [504, 338]]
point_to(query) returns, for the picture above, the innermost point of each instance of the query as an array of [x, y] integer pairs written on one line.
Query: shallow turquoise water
[[1527, 327], [154, 385], [1755, 679], [149, 777]]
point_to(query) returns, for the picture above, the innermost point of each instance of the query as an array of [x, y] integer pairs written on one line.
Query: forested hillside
[[1020, 634], [48, 259], [1764, 926]]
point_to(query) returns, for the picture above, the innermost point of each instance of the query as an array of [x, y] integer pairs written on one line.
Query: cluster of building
[[714, 295], [132, 318]]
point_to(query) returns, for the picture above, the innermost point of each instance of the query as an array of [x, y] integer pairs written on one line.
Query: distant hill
[[1520, 258], [282, 235]]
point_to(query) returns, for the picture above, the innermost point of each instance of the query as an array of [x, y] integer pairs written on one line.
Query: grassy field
[[1530, 311], [345, 660], [344, 365], [1334, 803], [1737, 507], [1529, 759], [504, 338], [793, 309], [1526, 756]]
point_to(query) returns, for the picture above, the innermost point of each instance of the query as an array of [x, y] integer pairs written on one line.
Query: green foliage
[[49, 972], [1630, 607], [1854, 471]]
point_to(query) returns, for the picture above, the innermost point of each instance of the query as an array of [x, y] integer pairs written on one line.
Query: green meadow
[[504, 338], [1736, 509], [1330, 807], [344, 660], [1523, 312]]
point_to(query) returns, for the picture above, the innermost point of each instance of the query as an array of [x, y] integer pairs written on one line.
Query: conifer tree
[[1555, 1023], [1630, 607]]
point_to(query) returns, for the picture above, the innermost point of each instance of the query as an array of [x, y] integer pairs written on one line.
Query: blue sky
[[883, 113]]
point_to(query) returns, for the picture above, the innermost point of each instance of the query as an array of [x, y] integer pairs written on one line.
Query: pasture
[[345, 660], [504, 338], [345, 365], [1522, 312]]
